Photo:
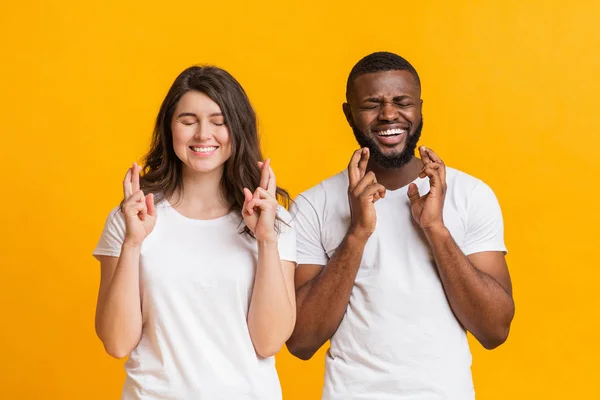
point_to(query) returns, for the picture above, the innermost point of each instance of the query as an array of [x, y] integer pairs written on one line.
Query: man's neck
[[395, 178]]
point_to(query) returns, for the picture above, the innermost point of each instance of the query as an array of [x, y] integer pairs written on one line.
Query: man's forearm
[[322, 302], [482, 305]]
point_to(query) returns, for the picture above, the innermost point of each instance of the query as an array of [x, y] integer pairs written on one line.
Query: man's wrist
[[357, 238], [436, 232]]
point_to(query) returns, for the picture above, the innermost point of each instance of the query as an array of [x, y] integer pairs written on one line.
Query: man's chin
[[391, 151], [391, 157]]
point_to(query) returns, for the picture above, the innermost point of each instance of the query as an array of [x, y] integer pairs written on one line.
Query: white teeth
[[391, 132], [203, 149]]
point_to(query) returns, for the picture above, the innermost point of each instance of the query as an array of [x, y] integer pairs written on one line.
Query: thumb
[[247, 195], [413, 193], [150, 205], [246, 210]]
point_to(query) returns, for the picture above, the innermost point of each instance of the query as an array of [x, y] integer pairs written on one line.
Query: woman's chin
[[203, 167]]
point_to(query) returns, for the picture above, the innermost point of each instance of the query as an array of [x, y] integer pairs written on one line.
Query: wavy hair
[[162, 169]]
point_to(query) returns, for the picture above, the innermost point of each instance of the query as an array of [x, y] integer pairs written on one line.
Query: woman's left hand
[[260, 208]]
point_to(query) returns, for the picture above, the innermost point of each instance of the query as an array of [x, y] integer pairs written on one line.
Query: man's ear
[[347, 113]]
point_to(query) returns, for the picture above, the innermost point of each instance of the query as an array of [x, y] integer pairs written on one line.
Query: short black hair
[[378, 62]]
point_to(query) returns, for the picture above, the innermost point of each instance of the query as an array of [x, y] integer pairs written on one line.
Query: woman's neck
[[202, 195]]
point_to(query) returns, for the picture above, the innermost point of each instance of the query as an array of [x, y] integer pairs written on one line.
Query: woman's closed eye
[[188, 121]]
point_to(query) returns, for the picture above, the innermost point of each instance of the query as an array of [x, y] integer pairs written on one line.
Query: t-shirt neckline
[[212, 221]]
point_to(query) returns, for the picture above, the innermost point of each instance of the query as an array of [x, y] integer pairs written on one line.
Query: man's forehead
[[386, 83]]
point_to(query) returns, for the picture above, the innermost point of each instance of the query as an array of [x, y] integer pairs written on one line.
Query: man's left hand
[[427, 210]]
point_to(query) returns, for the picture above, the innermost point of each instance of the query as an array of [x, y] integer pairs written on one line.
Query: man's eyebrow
[[372, 99]]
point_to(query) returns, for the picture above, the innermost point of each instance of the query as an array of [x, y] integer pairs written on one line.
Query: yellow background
[[511, 94]]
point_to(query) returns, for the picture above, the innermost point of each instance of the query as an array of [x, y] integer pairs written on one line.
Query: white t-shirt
[[399, 338], [196, 280]]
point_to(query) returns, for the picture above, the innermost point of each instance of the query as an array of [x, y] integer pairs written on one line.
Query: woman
[[198, 261]]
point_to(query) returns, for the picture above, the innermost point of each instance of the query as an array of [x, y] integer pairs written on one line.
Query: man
[[398, 255]]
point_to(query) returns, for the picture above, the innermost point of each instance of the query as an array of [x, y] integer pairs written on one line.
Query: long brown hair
[[163, 169]]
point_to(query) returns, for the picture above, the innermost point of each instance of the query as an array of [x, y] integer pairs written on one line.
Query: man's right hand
[[363, 192]]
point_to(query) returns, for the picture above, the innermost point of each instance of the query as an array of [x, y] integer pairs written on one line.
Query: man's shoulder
[[462, 179], [462, 184], [333, 186]]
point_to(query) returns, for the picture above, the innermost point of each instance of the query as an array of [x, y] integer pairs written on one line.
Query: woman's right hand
[[139, 211]]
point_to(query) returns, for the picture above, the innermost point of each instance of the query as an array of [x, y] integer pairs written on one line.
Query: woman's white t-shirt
[[196, 280]]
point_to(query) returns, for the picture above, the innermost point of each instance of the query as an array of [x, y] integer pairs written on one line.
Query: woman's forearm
[[272, 312], [119, 315]]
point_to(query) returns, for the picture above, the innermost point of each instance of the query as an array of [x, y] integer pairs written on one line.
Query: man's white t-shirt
[[196, 280], [399, 338]]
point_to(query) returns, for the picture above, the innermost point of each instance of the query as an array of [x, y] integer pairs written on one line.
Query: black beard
[[392, 161]]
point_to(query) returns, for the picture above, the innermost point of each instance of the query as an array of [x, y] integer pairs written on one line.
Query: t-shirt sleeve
[[112, 236], [485, 227], [308, 229], [286, 243]]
